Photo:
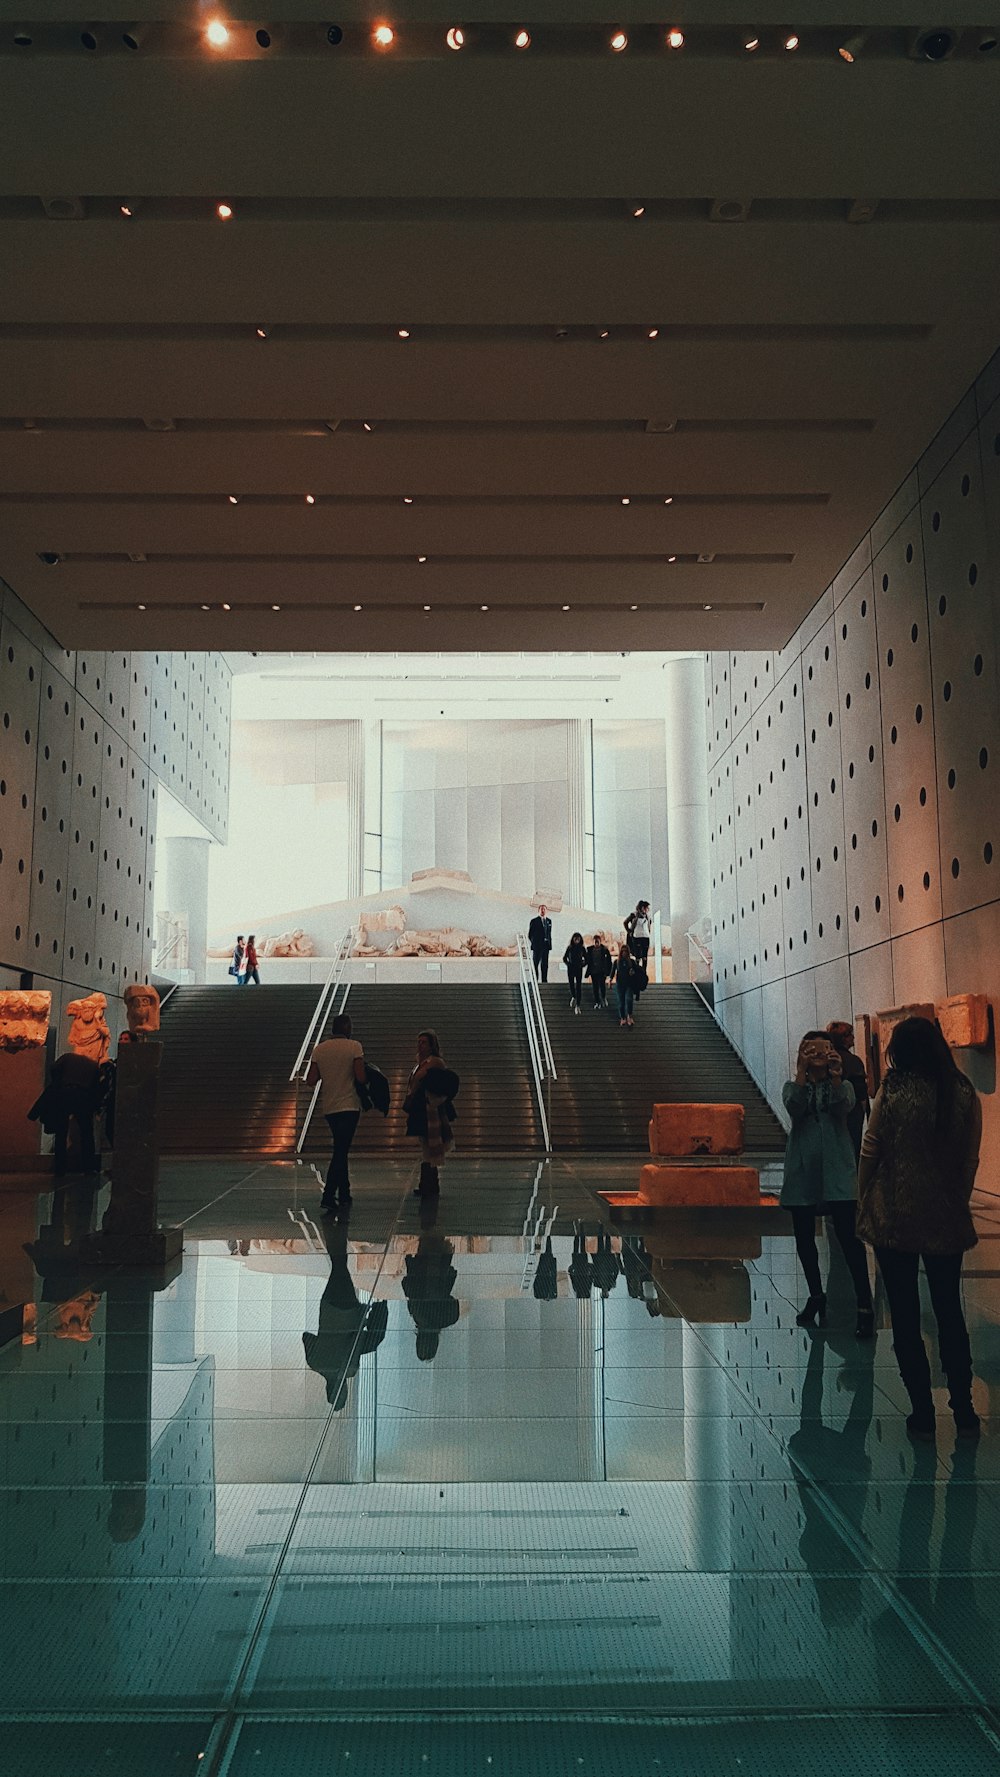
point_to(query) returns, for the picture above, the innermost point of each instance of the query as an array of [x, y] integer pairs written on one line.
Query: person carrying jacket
[[430, 1110]]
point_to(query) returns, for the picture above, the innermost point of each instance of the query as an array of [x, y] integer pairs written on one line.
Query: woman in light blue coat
[[821, 1175]]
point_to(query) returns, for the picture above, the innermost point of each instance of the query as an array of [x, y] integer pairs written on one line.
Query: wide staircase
[[228, 1052], [608, 1078]]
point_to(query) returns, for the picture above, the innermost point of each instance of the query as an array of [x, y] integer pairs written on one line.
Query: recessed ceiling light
[[140, 607], [633, 607], [427, 607], [484, 607], [227, 607], [383, 36], [638, 210], [522, 40], [261, 332], [669, 500], [605, 333], [421, 558], [276, 607], [675, 39], [565, 607], [206, 607], [357, 607], [402, 333], [216, 33], [750, 44], [224, 212], [310, 499], [626, 500], [653, 333], [851, 48], [125, 210], [407, 499], [619, 41], [792, 42], [671, 558], [706, 607], [234, 499], [367, 425], [455, 38]]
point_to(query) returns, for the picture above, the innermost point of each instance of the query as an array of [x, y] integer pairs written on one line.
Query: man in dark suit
[[540, 939]]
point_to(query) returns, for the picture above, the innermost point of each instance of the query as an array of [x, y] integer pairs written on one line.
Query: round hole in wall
[[923, 797], [810, 672], [833, 786], [899, 892], [885, 582], [838, 922], [847, 701], [927, 879], [984, 758], [843, 632], [942, 605], [836, 853], [868, 681], [857, 915], [854, 842], [864, 607], [871, 755], [829, 720], [955, 867], [850, 769], [918, 714], [914, 632], [966, 484], [936, 521], [977, 665], [888, 657], [878, 903], [874, 829], [946, 691], [951, 778], [819, 864], [987, 853], [973, 573], [892, 734], [826, 652]]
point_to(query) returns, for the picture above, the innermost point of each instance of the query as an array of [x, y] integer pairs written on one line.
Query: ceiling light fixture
[[562, 333], [421, 558], [89, 40], [565, 607], [522, 40], [383, 36], [637, 211], [934, 45], [206, 607], [671, 558], [367, 426], [750, 44], [633, 607], [427, 607], [668, 500], [216, 33], [706, 607], [626, 500], [310, 499], [851, 48], [276, 607], [675, 38], [402, 333], [619, 41], [22, 38], [357, 607], [334, 35], [140, 607], [792, 42], [224, 212], [407, 499], [455, 38], [261, 332], [484, 607], [234, 499], [605, 333], [227, 607], [125, 210], [653, 333]]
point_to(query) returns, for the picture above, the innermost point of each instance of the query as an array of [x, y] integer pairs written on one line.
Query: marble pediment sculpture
[[439, 878], [24, 1019], [88, 1032]]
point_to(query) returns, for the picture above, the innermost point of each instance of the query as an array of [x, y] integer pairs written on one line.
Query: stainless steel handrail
[[528, 968], [534, 1043], [699, 946], [307, 1119], [328, 993]]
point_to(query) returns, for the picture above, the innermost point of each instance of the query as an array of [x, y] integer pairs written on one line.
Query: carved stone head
[[142, 1007]]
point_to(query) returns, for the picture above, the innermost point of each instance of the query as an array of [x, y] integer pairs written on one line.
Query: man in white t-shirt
[[338, 1065]]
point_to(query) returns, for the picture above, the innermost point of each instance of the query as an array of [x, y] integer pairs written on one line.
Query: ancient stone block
[[679, 1129]]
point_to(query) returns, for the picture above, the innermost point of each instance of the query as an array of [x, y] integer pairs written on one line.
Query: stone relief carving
[[142, 1008], [24, 1019], [88, 1033]]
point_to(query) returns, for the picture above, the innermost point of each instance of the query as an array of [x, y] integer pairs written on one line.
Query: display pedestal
[[22, 1077], [131, 1233]]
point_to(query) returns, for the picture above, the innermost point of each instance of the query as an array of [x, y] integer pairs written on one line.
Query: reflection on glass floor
[[481, 1480]]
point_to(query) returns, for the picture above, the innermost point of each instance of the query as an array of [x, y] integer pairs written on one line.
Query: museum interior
[[500, 546]]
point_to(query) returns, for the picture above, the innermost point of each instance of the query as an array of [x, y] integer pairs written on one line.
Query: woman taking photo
[[918, 1165], [820, 1176], [430, 1111], [575, 958]]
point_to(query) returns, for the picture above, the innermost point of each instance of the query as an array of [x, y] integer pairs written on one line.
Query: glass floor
[[481, 1486]]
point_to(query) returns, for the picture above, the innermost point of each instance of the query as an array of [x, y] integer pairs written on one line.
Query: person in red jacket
[[250, 969]]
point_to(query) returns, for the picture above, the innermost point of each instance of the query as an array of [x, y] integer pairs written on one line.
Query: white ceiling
[[482, 201]]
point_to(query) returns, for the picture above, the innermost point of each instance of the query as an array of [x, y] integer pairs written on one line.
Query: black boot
[[814, 1312]]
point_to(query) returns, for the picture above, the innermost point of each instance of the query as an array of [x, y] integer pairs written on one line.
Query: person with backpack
[[236, 966], [430, 1110], [338, 1065], [599, 966]]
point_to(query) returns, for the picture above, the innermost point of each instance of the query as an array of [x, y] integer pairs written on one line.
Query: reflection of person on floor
[[427, 1285], [545, 1287], [606, 1266], [581, 1271], [74, 1094], [821, 1454], [348, 1328]]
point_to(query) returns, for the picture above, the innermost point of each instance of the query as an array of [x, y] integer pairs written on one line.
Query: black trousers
[[540, 958], [85, 1124], [843, 1217], [900, 1274], [251, 975], [639, 948], [575, 983], [342, 1125], [599, 983]]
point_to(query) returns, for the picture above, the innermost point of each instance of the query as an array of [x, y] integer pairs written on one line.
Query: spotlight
[[206, 607], [276, 607], [367, 426], [234, 500], [565, 607], [383, 36], [50, 557], [633, 607], [750, 44], [133, 35], [126, 210], [357, 607], [263, 37], [605, 333], [227, 607], [619, 41], [933, 44], [421, 558], [671, 558], [224, 212], [334, 35], [455, 38], [216, 33], [791, 42], [626, 500], [851, 47], [484, 607], [637, 211], [402, 333], [427, 607], [675, 39], [522, 40], [310, 499], [261, 332], [140, 607], [706, 607], [653, 333], [89, 40], [407, 499]]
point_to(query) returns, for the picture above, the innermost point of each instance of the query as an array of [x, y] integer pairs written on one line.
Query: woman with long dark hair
[[820, 1176], [918, 1165], [575, 958]]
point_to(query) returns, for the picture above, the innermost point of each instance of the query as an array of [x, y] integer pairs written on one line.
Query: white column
[[371, 822], [355, 808], [577, 813], [187, 892], [687, 798]]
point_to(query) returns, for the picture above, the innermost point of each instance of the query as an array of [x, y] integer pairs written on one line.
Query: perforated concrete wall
[[854, 777], [86, 741]]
